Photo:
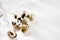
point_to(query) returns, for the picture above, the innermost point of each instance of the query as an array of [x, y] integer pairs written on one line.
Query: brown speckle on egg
[[29, 17], [15, 16], [23, 15], [12, 34], [24, 28], [13, 23]]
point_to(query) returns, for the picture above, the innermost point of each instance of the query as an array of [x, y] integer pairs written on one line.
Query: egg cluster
[[22, 24]]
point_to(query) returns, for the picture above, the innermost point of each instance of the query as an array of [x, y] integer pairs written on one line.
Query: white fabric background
[[46, 24]]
